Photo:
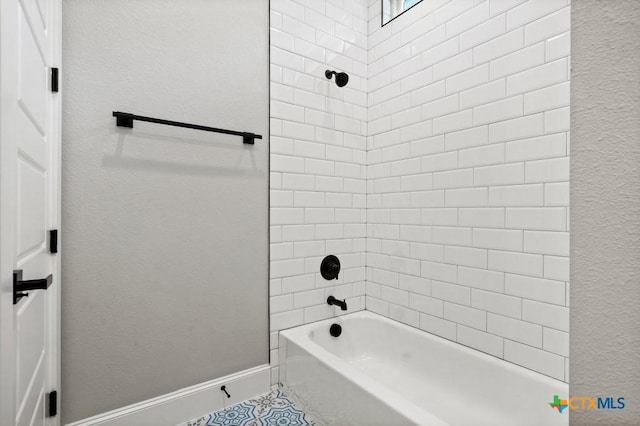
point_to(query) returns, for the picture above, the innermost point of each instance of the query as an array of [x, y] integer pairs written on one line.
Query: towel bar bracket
[[124, 122]]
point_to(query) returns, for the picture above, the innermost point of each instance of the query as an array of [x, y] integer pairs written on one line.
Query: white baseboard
[[188, 403]]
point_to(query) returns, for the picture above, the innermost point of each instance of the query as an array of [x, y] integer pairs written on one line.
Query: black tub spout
[[333, 301]]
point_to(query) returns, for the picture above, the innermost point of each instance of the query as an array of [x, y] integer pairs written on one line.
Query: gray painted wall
[[164, 230], [605, 207]]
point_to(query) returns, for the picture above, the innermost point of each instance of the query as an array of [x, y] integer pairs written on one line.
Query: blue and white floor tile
[[271, 409]]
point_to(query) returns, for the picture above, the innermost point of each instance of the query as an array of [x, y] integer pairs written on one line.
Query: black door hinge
[[53, 403], [54, 79], [53, 241]]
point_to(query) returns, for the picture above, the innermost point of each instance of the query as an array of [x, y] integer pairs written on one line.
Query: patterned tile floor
[[271, 409]]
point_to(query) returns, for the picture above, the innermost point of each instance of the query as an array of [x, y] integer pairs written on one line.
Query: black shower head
[[342, 78]]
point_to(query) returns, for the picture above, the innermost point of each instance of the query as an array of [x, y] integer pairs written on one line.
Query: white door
[[29, 207]]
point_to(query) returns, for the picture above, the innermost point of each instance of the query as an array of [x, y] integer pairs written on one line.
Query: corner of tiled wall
[[438, 175], [318, 160]]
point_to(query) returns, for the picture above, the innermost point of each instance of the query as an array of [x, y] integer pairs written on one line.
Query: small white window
[[393, 8]]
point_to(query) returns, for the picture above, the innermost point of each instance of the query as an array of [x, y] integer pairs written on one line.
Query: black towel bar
[[125, 119]]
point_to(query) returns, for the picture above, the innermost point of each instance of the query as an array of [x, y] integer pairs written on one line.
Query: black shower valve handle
[[330, 267]]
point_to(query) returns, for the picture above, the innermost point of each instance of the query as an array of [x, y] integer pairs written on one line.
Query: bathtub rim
[[300, 332]]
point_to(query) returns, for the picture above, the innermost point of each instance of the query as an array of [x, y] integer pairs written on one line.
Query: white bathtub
[[381, 372]]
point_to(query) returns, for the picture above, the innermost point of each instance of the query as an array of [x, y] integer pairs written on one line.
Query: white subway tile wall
[[318, 159], [438, 175], [468, 171]]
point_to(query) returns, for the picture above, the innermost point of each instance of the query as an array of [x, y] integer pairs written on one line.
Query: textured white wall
[[468, 169], [318, 159], [605, 207], [164, 230]]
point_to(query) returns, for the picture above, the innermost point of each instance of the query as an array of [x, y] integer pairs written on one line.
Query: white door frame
[[55, 130], [8, 100]]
